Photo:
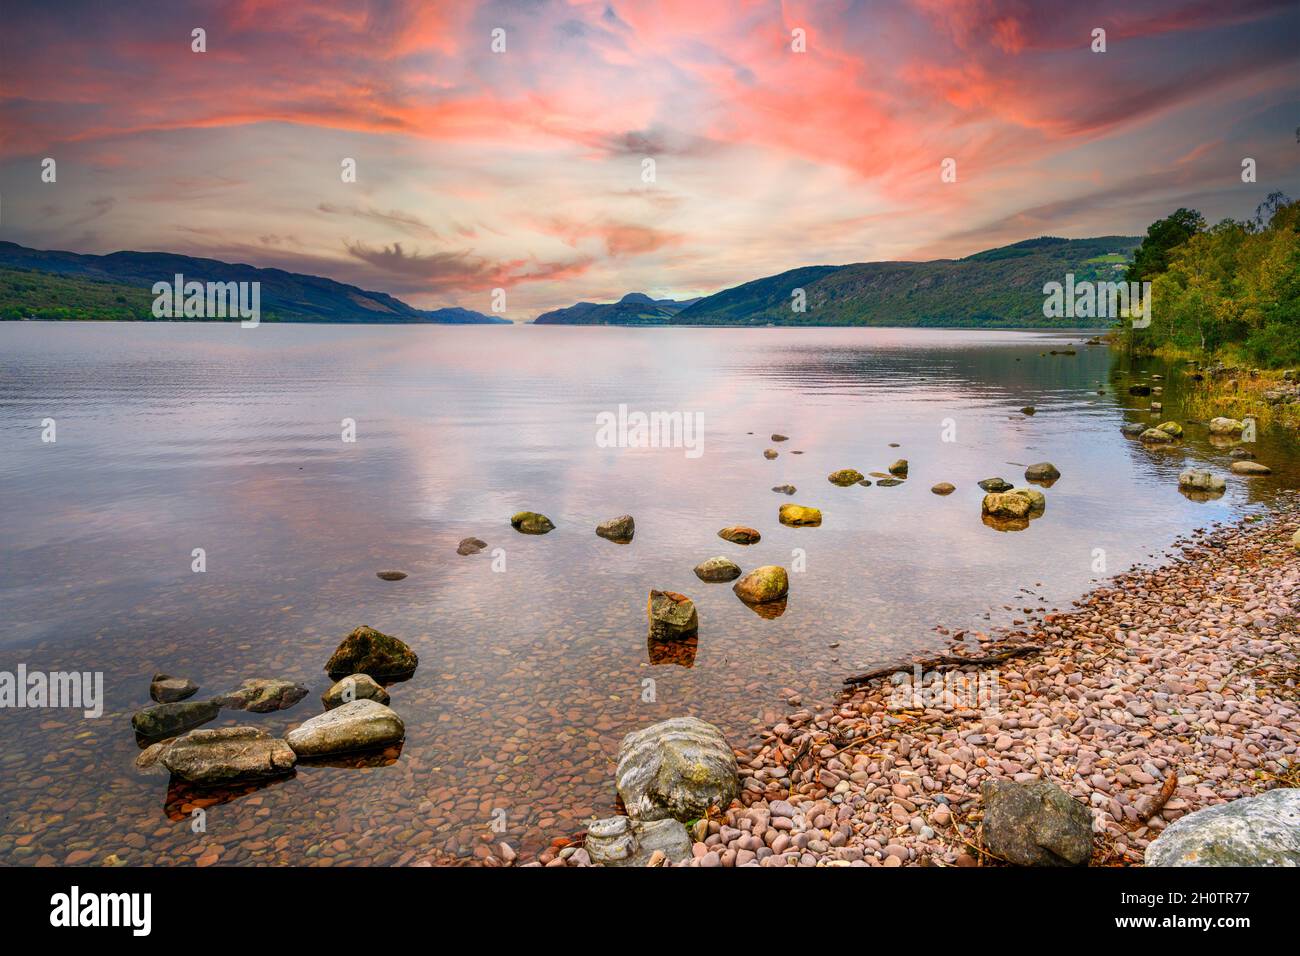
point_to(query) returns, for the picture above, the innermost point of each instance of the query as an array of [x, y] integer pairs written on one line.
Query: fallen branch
[[1160, 799], [943, 660]]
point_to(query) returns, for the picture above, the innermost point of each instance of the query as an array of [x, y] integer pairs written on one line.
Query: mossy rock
[[800, 516], [768, 583], [368, 651], [530, 522], [845, 477]]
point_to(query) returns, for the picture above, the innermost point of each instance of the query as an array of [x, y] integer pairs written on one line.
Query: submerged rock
[[1225, 426], [1133, 429], [672, 616], [777, 437], [1155, 436], [1035, 824], [800, 516], [367, 651], [1250, 831], [677, 769], [785, 489], [620, 529], [899, 468], [770, 453], [1043, 471], [1199, 479], [845, 477], [167, 720], [1139, 389], [763, 585], [166, 689], [1240, 452], [226, 755], [358, 725], [739, 534], [1171, 428], [261, 695], [995, 485], [353, 687], [944, 488], [1248, 467], [1028, 410], [622, 841], [530, 522], [888, 482], [717, 569], [390, 575], [470, 546]]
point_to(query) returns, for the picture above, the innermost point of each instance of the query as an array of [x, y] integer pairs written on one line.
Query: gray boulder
[[1252, 831], [359, 725], [620, 529], [167, 720], [677, 768], [166, 689], [261, 695], [621, 841], [1200, 479], [226, 755], [717, 569], [1035, 824]]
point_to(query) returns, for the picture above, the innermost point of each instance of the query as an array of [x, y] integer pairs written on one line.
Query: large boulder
[[845, 477], [763, 585], [677, 768], [166, 689], [620, 529], [1043, 471], [358, 725], [717, 569], [622, 841], [353, 687], [1225, 426], [168, 720], [1200, 479], [1035, 824], [739, 534], [1006, 505], [226, 755], [672, 616], [1251, 831], [530, 522], [261, 695], [367, 651], [800, 516]]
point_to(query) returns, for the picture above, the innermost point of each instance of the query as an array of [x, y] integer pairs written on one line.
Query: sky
[[673, 148]]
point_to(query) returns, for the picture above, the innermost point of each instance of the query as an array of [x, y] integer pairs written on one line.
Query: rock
[[1154, 436], [717, 569], [995, 485], [865, 482], [260, 695], [944, 488], [470, 546], [148, 760], [1037, 500], [1295, 540], [1156, 407], [1199, 479], [1006, 505], [785, 489], [358, 725], [353, 687], [677, 769], [845, 477], [1043, 471], [672, 616], [1133, 429], [1248, 467], [770, 453], [390, 575], [763, 585], [167, 720], [622, 841], [800, 516], [1172, 429], [776, 437], [1225, 426], [739, 534], [1251, 831], [1139, 389], [1035, 824], [1240, 452], [226, 755], [899, 468], [367, 651], [530, 522], [168, 690], [888, 482], [620, 529], [1028, 410]]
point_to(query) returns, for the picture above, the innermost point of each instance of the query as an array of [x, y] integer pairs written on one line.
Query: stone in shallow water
[[353, 687], [779, 437], [739, 534], [359, 725], [166, 720], [888, 482], [471, 546], [1251, 831], [944, 488], [166, 689], [677, 768], [1006, 505], [1037, 500], [1247, 467], [762, 585], [800, 516], [622, 841], [770, 453], [845, 477], [530, 522], [261, 695], [717, 569], [1035, 824], [785, 489], [391, 575], [671, 615], [620, 529], [1043, 471], [899, 468], [227, 755], [1225, 426], [1199, 479], [367, 651], [995, 485]]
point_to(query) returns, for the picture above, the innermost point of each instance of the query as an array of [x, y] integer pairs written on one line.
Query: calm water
[[175, 437]]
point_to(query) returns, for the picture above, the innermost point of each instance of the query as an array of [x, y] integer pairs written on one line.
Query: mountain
[[67, 285], [635, 308], [1000, 287]]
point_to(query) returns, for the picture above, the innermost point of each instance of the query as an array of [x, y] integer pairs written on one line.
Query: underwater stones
[[390, 575], [167, 720], [676, 769], [770, 453], [1263, 830], [1240, 452], [845, 477], [224, 755], [1028, 410], [739, 534], [763, 585], [166, 689], [899, 468], [1225, 426], [620, 529], [1200, 479], [368, 651], [1247, 467], [1043, 471], [785, 489], [622, 841], [943, 488], [800, 516], [888, 482], [261, 695], [353, 687], [995, 485], [672, 616], [470, 546], [1035, 824], [357, 725], [777, 437], [530, 522], [717, 570]]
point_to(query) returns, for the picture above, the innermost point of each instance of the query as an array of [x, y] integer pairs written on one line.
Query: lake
[[534, 654]]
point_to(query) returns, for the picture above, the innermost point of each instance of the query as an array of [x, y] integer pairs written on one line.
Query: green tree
[[1163, 236]]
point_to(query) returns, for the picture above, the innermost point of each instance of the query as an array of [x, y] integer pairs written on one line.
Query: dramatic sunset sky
[[523, 169]]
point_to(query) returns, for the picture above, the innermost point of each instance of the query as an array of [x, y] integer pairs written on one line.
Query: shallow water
[[172, 437]]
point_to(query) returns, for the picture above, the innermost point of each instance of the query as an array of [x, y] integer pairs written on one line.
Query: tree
[[1163, 236]]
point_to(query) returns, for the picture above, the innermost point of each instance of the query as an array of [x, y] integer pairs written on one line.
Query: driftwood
[[1160, 799], [943, 660]]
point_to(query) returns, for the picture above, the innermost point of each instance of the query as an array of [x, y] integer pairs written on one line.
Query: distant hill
[[998, 288], [36, 283], [635, 308]]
